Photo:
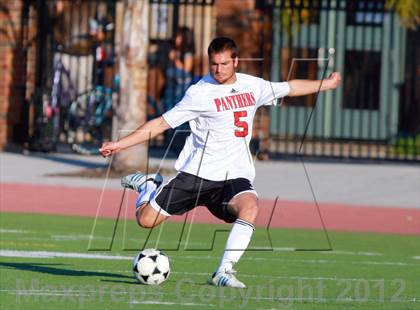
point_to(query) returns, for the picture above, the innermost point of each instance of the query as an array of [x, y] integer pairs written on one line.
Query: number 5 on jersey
[[242, 130]]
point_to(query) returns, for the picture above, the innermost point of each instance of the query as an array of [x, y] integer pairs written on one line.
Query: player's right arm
[[185, 110], [143, 133]]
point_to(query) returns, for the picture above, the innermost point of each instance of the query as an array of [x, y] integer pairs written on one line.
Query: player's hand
[[172, 55], [109, 148], [334, 80]]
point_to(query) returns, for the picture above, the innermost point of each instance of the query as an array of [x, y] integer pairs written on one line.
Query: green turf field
[[364, 271]]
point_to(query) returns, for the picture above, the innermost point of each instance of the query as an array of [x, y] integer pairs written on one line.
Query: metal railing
[[373, 115], [179, 33], [75, 74], [366, 118]]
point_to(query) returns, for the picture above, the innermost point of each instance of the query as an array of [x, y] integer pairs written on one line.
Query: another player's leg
[[245, 207], [146, 185]]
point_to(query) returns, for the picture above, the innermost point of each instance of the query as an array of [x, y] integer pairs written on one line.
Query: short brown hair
[[221, 44]]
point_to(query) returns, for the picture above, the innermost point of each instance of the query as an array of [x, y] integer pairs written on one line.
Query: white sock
[[146, 194], [237, 242]]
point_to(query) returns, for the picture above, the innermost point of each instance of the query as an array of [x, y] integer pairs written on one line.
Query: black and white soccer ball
[[151, 267]]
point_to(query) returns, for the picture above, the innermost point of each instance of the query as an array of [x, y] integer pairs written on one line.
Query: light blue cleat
[[137, 181]]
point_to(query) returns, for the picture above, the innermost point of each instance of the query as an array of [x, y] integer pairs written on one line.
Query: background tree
[[407, 10], [132, 41]]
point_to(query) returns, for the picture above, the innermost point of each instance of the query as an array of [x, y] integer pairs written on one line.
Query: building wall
[[17, 68], [250, 29]]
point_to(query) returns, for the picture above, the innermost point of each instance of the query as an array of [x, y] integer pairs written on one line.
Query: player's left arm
[[306, 87]]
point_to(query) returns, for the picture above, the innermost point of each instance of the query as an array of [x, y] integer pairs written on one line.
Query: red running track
[[30, 198]]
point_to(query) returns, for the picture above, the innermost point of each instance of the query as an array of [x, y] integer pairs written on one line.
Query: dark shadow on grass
[[166, 282], [58, 271], [134, 281]]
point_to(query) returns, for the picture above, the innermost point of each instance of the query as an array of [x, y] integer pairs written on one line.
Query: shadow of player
[[58, 271]]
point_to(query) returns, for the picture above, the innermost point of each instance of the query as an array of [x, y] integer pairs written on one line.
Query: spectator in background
[[179, 72], [178, 77]]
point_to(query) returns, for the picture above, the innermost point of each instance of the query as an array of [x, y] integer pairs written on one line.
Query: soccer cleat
[[226, 278], [137, 181]]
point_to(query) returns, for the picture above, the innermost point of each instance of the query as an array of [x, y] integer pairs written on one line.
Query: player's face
[[222, 67]]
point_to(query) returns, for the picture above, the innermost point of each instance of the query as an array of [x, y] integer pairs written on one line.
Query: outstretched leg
[[147, 217], [146, 185]]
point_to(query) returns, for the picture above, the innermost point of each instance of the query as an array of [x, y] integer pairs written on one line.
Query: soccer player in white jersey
[[215, 168]]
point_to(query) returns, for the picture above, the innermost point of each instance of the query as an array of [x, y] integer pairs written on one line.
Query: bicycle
[[89, 119], [49, 123], [62, 111], [64, 114]]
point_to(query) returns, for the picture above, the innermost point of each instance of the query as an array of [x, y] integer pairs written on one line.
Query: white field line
[[185, 273], [335, 252], [183, 244], [74, 292], [63, 238], [305, 261], [352, 253], [75, 237], [416, 257], [48, 254], [40, 254], [72, 237], [168, 303], [283, 277], [14, 231], [308, 299], [97, 238]]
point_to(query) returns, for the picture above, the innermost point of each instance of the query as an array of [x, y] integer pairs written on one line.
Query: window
[[362, 80], [365, 12]]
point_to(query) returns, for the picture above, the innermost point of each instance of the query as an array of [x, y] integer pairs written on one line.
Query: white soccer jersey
[[221, 118]]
